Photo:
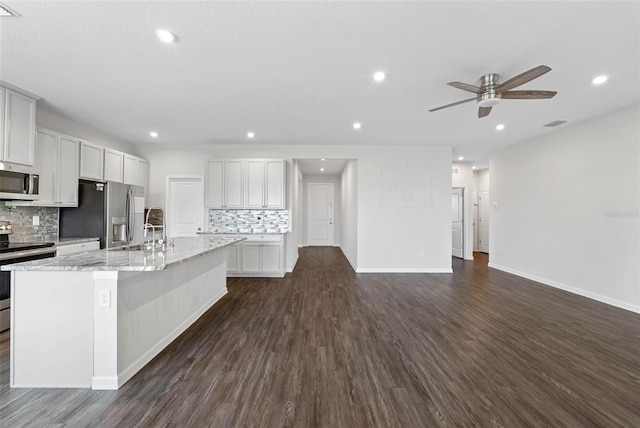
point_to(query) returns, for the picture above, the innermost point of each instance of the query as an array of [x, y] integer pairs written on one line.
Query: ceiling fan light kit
[[491, 91]]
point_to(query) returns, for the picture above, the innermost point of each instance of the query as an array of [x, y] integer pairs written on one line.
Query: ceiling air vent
[[555, 123], [6, 11]]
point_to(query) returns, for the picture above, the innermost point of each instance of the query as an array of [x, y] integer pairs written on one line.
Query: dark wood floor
[[326, 347]]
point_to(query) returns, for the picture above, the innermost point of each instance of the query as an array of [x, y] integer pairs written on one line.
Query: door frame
[[463, 226], [333, 209], [167, 197]]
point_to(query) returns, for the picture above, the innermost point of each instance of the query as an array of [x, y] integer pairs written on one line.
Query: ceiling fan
[[491, 91]]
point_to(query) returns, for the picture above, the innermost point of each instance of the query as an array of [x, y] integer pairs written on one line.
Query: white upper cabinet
[[18, 128], [104, 164], [250, 183], [69, 171], [56, 159], [136, 171], [113, 165], [225, 187], [130, 169], [255, 184], [46, 162], [265, 183], [91, 161], [274, 193], [143, 174], [3, 97]]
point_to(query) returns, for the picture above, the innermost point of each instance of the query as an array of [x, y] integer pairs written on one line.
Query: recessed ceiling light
[[357, 125], [250, 135], [166, 36], [323, 159], [473, 167], [599, 80], [460, 157], [322, 169], [499, 127], [154, 134], [379, 76]]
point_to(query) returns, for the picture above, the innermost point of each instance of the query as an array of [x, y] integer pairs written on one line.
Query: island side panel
[[156, 307], [105, 330], [51, 329]]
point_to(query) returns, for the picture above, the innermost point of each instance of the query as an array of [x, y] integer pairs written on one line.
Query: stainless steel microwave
[[18, 182]]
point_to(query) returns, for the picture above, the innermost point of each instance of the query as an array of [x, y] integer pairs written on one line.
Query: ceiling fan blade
[[527, 95], [523, 78], [454, 104], [484, 111], [465, 87]]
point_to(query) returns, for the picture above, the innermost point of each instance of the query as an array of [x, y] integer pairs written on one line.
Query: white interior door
[[185, 205], [457, 231], [320, 214], [483, 220]]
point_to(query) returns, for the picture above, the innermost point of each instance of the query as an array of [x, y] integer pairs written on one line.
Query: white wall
[[55, 122], [349, 213], [567, 208], [464, 178], [404, 196], [337, 210], [294, 198]]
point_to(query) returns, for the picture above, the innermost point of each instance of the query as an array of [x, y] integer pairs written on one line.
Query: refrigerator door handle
[[128, 214]]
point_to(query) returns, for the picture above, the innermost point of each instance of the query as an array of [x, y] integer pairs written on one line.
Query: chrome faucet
[[146, 225]]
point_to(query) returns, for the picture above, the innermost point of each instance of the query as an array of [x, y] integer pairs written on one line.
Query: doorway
[[457, 222], [320, 212], [184, 205]]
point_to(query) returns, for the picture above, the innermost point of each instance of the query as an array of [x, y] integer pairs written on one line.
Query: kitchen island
[[94, 319]]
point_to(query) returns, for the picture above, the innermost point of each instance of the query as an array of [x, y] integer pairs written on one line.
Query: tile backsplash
[[248, 221], [21, 219]]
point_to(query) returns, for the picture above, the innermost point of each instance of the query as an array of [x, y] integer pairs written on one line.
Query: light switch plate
[[36, 220]]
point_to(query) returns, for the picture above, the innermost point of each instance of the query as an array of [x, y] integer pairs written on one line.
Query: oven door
[[5, 282]]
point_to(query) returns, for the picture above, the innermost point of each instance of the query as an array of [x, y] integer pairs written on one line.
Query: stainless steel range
[[15, 252]]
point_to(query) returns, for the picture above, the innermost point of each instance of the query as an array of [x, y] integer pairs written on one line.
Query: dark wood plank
[[325, 347]]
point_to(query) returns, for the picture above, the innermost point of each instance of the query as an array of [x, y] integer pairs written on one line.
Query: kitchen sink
[[129, 248]]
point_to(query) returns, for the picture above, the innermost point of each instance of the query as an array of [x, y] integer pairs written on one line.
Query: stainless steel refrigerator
[[112, 211]]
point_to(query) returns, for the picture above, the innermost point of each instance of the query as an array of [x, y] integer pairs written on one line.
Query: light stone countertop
[[119, 260]]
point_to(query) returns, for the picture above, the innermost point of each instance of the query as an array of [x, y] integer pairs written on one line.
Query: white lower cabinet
[[233, 258], [258, 256], [251, 255]]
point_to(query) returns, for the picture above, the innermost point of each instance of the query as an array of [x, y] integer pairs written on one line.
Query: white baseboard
[[104, 382], [569, 288], [256, 274], [144, 359], [404, 270], [295, 262], [353, 265]]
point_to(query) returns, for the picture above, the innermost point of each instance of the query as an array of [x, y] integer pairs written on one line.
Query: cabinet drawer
[[263, 238]]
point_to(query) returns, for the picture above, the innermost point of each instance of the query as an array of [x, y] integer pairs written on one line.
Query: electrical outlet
[[36, 220], [104, 298]]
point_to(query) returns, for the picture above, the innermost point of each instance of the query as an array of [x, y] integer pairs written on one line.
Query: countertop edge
[[163, 260]]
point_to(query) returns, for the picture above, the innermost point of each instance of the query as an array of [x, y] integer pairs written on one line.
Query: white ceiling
[[300, 72]]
